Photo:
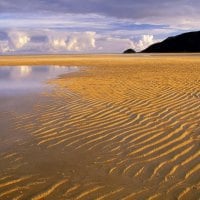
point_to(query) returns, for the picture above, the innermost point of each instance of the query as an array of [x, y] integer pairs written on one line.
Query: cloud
[[38, 38], [56, 41], [47, 41], [13, 40], [3, 35], [145, 41], [73, 41], [113, 45], [18, 39], [180, 13], [4, 46], [42, 26]]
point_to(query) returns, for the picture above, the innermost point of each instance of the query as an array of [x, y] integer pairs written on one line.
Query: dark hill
[[186, 42], [129, 51]]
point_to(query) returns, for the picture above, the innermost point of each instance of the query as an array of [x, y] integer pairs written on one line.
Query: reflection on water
[[23, 79]]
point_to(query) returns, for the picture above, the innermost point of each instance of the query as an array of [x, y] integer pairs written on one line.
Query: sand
[[123, 127]]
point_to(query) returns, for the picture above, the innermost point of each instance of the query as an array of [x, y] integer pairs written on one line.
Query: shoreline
[[87, 59]]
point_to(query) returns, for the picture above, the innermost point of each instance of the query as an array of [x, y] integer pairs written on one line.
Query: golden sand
[[123, 127]]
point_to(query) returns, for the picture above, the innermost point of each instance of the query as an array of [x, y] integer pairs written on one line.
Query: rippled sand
[[122, 128]]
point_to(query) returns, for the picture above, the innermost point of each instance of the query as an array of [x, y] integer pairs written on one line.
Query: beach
[[122, 127]]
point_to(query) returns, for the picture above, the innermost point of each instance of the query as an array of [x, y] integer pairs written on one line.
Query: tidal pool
[[19, 80]]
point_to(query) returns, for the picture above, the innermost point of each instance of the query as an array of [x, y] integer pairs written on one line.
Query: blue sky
[[92, 26]]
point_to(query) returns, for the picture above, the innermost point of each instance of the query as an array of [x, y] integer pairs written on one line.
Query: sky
[[92, 26]]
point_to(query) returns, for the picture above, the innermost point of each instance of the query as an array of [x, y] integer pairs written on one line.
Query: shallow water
[[27, 79]]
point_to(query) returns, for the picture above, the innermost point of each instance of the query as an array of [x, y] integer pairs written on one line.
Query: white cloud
[[73, 41], [52, 41], [4, 46], [112, 44], [57, 41], [144, 42], [118, 45], [18, 39]]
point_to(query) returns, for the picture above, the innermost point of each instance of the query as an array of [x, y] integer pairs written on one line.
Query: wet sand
[[123, 127]]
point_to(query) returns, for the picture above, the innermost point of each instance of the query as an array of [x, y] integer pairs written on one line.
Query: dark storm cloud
[[123, 9]]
